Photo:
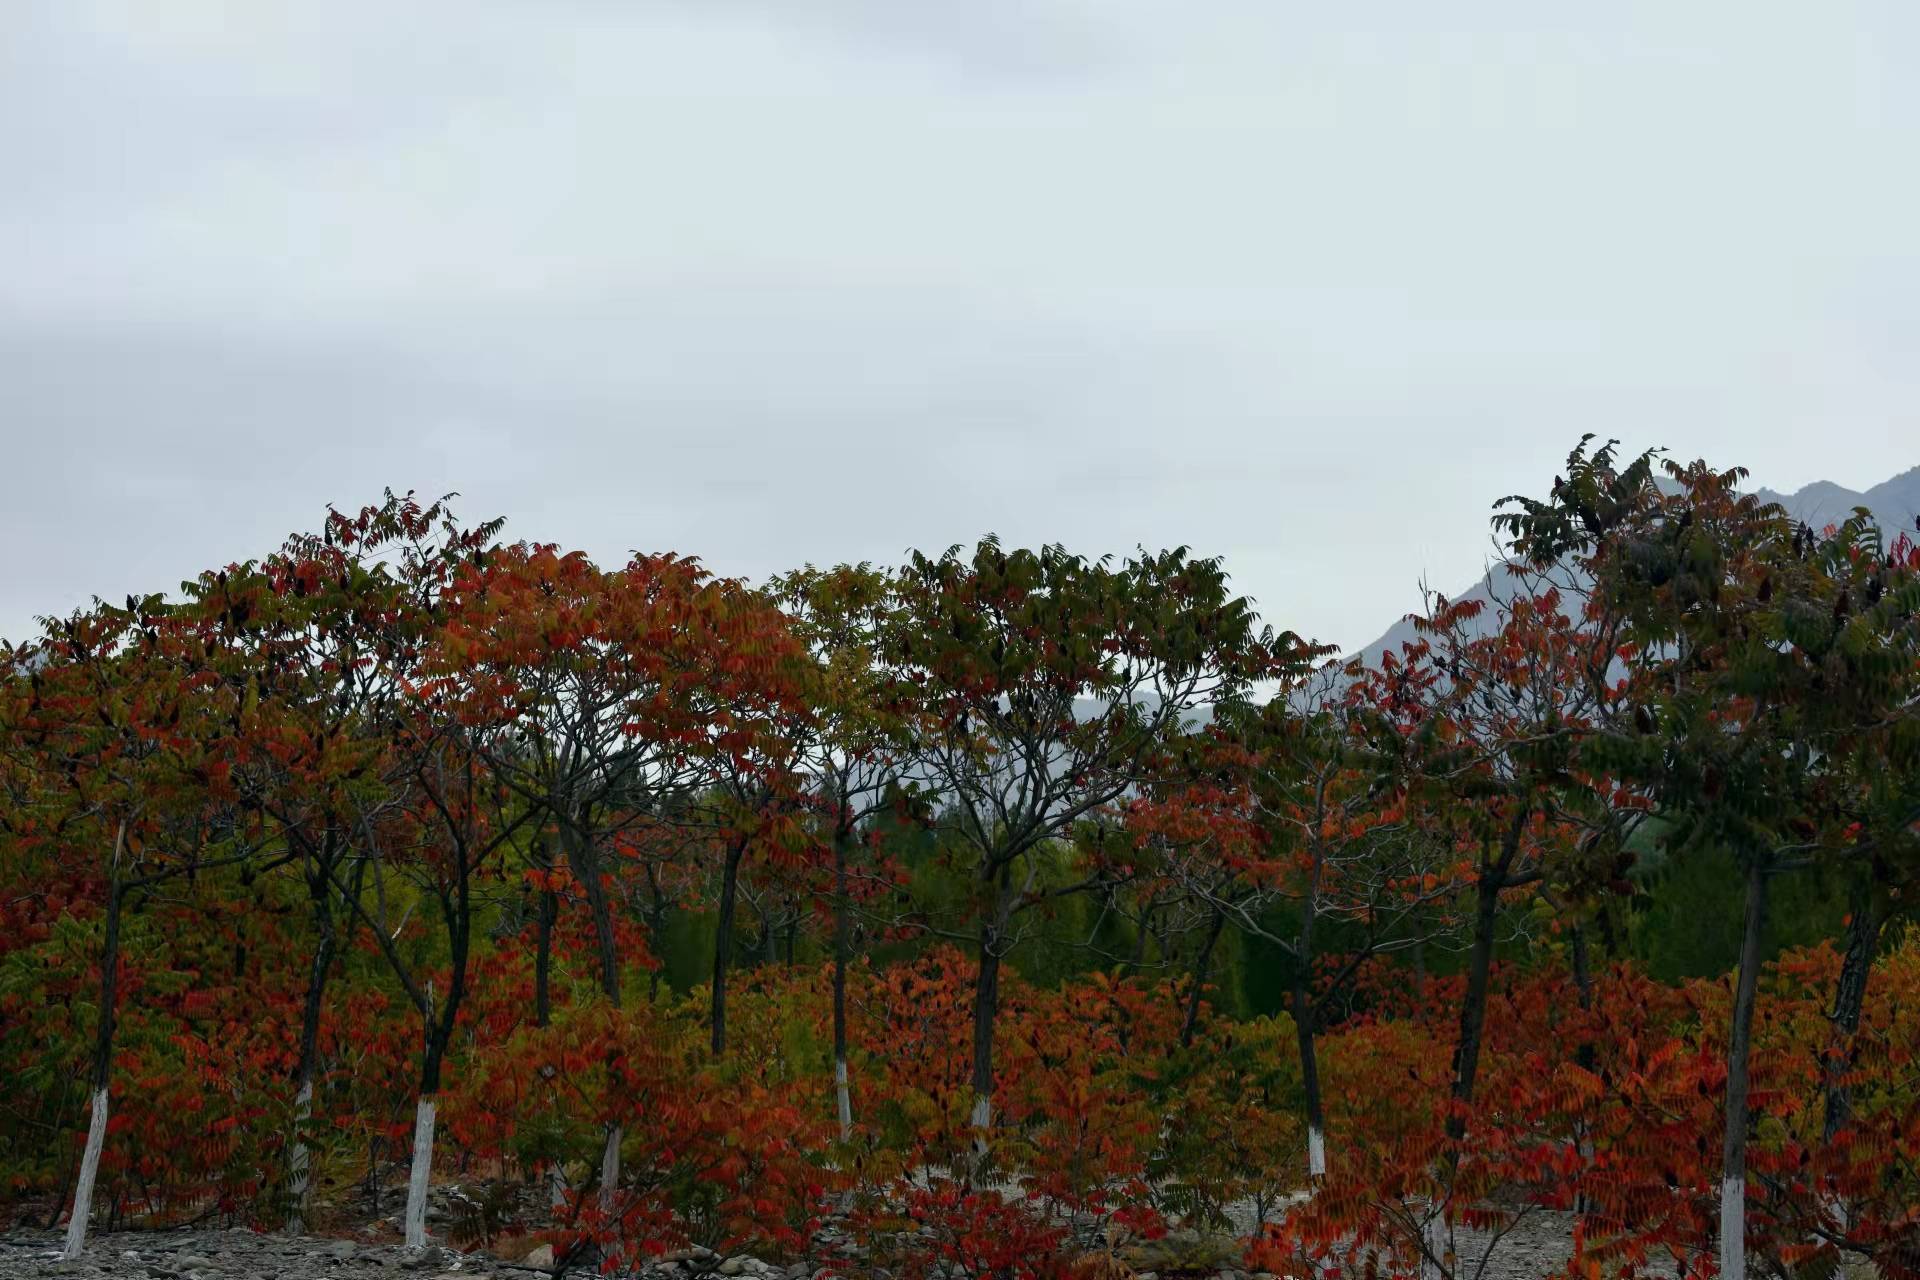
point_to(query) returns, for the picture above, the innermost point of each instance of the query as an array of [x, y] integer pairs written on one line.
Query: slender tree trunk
[[458, 913], [1583, 987], [1733, 1175], [420, 1175], [102, 1065], [1584, 1053], [1473, 1007], [1303, 1026], [1202, 965], [439, 1033], [1849, 998], [586, 867], [986, 1008], [585, 860], [1139, 957], [656, 930], [1303, 1030], [299, 1155], [1437, 1230], [610, 1166], [842, 1092], [723, 944], [549, 915]]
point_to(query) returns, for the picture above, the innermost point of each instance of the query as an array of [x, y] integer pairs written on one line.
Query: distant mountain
[[1895, 502]]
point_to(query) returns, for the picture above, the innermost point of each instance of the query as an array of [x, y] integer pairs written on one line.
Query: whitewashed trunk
[[299, 1161], [422, 1171], [556, 1186], [982, 1120], [610, 1168], [843, 1098], [1435, 1235], [1316, 1153], [1733, 1228], [89, 1170]]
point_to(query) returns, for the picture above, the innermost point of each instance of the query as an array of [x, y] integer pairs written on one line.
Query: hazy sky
[[770, 281]]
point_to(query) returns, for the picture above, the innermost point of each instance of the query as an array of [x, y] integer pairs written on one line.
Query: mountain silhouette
[[1895, 504]]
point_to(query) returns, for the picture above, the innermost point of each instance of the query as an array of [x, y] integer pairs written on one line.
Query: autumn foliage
[[381, 856]]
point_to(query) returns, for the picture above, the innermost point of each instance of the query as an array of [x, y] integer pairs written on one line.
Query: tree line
[[403, 816]]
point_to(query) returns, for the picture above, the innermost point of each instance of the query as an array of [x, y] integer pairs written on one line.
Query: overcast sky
[[771, 281]]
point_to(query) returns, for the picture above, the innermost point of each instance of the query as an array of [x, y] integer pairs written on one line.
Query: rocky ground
[[1534, 1249], [231, 1255], [359, 1240], [247, 1255]]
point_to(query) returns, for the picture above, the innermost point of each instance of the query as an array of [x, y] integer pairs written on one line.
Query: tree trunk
[[1303, 1030], [299, 1155], [1437, 1228], [1303, 1026], [1584, 1053], [1202, 965], [1583, 987], [656, 931], [457, 911], [1733, 1174], [549, 915], [439, 1033], [1138, 959], [610, 1166], [422, 1171], [1473, 1007], [585, 860], [1310, 1081], [843, 1098], [102, 1064], [986, 1007], [1850, 995], [723, 944]]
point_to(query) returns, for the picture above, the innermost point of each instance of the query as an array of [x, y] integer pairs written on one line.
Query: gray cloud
[[810, 281]]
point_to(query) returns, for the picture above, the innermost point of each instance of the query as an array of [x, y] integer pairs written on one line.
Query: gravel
[[1532, 1250]]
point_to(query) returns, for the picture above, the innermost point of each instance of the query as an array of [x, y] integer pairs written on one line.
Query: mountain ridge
[[1895, 502]]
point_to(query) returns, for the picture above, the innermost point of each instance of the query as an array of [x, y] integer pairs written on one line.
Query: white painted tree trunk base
[[89, 1171], [610, 1168], [299, 1162], [1733, 1229], [422, 1171], [1316, 1153], [1434, 1235], [556, 1186], [843, 1098], [981, 1120]]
